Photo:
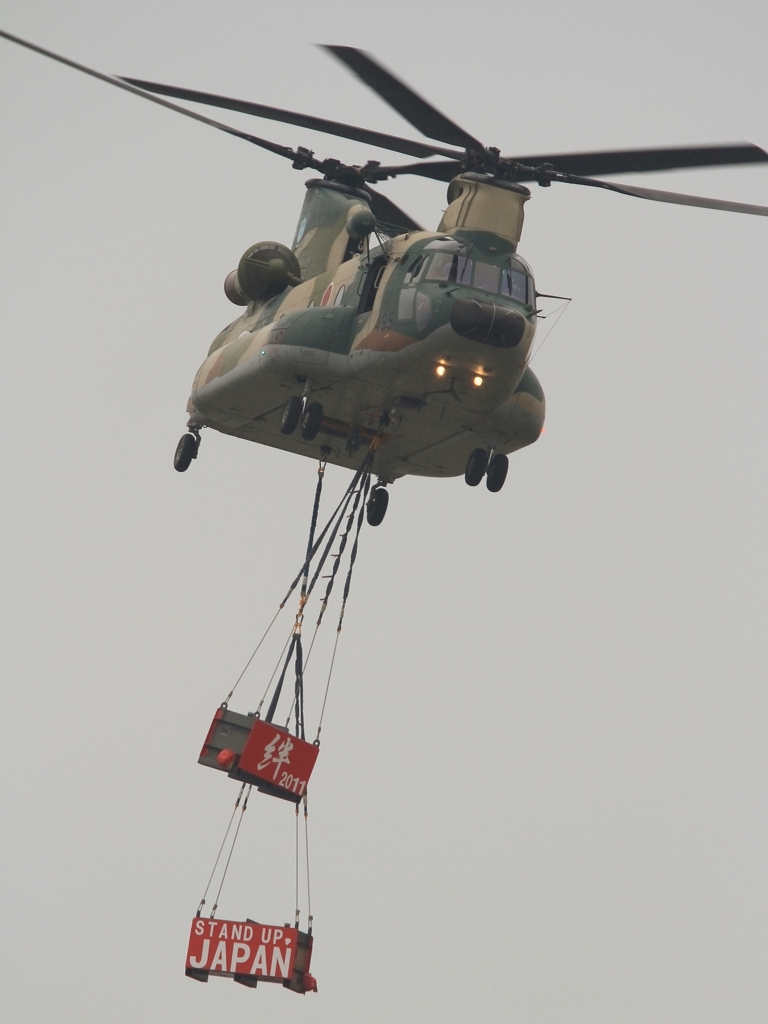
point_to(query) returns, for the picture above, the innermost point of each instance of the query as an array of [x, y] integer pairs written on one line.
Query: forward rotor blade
[[384, 210], [404, 100], [628, 161], [121, 84], [319, 124], [678, 198]]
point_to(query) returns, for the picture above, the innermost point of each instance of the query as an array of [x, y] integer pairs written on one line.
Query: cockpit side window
[[514, 283], [416, 269]]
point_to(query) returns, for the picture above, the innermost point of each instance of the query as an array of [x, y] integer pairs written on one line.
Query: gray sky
[[541, 793]]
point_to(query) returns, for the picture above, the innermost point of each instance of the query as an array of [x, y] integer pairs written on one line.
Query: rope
[[307, 587], [297, 867], [228, 698], [559, 310], [313, 525], [306, 847], [312, 548], [274, 673], [347, 584], [279, 688], [231, 851], [320, 539], [221, 850], [342, 547], [299, 691]]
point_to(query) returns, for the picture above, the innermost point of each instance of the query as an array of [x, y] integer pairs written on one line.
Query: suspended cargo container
[[249, 952], [260, 753]]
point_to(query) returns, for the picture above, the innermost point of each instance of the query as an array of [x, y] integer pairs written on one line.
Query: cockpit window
[[512, 281], [487, 277], [513, 284], [446, 266], [416, 269]]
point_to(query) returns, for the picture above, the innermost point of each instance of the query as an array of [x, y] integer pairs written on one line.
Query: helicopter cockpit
[[443, 261]]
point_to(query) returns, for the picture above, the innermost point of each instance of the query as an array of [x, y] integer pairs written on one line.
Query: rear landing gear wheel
[[186, 450], [376, 508], [313, 417], [477, 463], [291, 414], [497, 472]]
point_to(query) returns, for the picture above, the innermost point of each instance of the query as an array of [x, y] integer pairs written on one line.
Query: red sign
[[230, 948], [274, 756]]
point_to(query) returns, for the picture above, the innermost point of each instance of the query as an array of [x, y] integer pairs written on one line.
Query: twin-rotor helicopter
[[371, 331]]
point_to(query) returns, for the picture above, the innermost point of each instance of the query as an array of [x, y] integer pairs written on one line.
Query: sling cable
[[273, 756]]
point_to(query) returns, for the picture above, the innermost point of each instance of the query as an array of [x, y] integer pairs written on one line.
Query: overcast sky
[[542, 788]]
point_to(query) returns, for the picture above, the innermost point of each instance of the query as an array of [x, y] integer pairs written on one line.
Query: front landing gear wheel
[[497, 472], [313, 417], [186, 450], [291, 414], [477, 463], [376, 508]]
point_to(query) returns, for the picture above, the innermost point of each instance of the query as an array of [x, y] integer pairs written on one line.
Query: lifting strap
[[353, 494]]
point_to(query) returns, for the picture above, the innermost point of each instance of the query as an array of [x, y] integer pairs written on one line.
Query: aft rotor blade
[[629, 161], [678, 198], [404, 100], [384, 210], [273, 147], [319, 124]]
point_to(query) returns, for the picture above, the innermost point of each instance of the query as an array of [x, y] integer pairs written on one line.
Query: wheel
[[497, 472], [377, 506], [476, 466], [186, 450], [313, 417], [291, 414]]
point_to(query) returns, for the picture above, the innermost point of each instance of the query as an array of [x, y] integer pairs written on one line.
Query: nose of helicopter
[[488, 323]]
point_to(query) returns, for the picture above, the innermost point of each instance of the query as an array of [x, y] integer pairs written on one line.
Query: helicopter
[[369, 330]]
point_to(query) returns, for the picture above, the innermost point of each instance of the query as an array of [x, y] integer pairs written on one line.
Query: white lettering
[[199, 927], [236, 929], [278, 934], [194, 962], [259, 961], [211, 926], [240, 953], [220, 957], [247, 933], [223, 933], [266, 934], [281, 957]]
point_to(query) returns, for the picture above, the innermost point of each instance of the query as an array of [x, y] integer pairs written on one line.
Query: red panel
[[227, 948], [274, 756]]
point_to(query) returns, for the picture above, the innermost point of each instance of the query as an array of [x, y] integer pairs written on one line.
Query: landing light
[[478, 380], [440, 370]]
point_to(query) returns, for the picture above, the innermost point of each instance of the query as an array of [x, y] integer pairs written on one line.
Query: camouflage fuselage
[[428, 335]]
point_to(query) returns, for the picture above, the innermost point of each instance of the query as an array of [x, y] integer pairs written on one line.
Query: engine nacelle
[[265, 270]]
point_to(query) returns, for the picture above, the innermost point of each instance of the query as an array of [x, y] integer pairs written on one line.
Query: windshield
[[511, 281]]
